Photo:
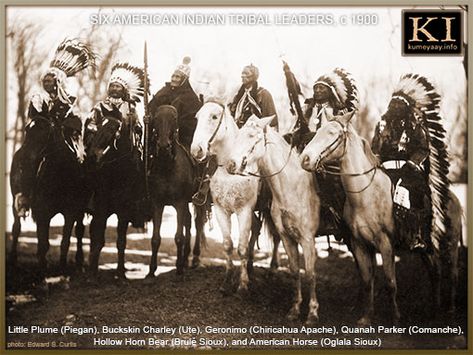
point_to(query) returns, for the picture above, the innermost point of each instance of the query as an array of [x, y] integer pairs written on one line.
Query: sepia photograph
[[212, 178]]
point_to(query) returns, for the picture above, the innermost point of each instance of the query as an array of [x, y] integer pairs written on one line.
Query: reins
[[344, 138], [249, 173]]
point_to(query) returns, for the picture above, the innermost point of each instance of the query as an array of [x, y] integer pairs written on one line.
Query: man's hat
[[342, 86], [131, 78], [184, 68]]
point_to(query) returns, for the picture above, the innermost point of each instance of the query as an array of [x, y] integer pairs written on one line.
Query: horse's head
[[210, 129], [106, 138], [251, 145], [40, 133], [164, 127], [328, 144]]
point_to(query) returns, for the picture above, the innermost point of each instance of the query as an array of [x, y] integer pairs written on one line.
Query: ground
[[195, 300]]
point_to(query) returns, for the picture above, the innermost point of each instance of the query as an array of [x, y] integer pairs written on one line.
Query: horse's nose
[[164, 143], [231, 167], [305, 162], [197, 152]]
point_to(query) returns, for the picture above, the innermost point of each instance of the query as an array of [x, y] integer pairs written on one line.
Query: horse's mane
[[368, 152]]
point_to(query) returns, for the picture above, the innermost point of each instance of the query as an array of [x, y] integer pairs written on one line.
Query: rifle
[[294, 90], [146, 117]]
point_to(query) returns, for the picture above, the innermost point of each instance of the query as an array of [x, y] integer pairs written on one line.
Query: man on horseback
[[251, 99], [180, 94], [54, 106], [334, 94], [120, 104], [125, 87], [409, 142]]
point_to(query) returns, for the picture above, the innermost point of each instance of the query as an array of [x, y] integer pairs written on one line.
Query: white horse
[[215, 134], [295, 206]]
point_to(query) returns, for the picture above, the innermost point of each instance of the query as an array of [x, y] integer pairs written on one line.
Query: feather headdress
[[132, 79], [343, 87], [71, 57], [418, 93]]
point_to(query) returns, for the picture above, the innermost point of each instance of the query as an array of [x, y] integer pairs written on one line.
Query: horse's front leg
[[199, 235], [121, 245], [97, 241], [276, 241], [179, 239], [69, 220], [16, 230], [255, 231], [42, 232], [433, 266], [244, 223], [293, 255], [366, 261], [187, 235], [224, 222], [79, 231], [156, 239], [387, 253], [310, 257]]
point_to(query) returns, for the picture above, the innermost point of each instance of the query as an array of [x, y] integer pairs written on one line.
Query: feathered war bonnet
[[343, 87], [418, 93], [131, 78], [71, 57]]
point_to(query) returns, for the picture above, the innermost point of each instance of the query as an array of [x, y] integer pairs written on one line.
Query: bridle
[[250, 151], [342, 139], [220, 120]]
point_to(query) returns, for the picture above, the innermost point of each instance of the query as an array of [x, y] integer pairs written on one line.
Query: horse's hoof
[[364, 322], [312, 319], [250, 268], [150, 275], [195, 263], [121, 274], [274, 266], [243, 292], [225, 290], [292, 316]]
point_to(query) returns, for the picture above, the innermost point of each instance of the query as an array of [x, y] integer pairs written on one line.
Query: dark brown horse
[[48, 176], [116, 174], [172, 182]]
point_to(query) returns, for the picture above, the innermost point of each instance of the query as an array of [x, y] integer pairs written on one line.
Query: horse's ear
[[252, 121], [347, 117], [263, 122]]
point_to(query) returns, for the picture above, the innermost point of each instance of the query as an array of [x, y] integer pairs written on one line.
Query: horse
[[215, 134], [295, 206], [368, 211], [117, 176], [172, 181], [47, 175]]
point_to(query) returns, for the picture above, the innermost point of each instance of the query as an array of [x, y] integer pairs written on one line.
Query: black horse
[[47, 175], [117, 176], [172, 182]]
